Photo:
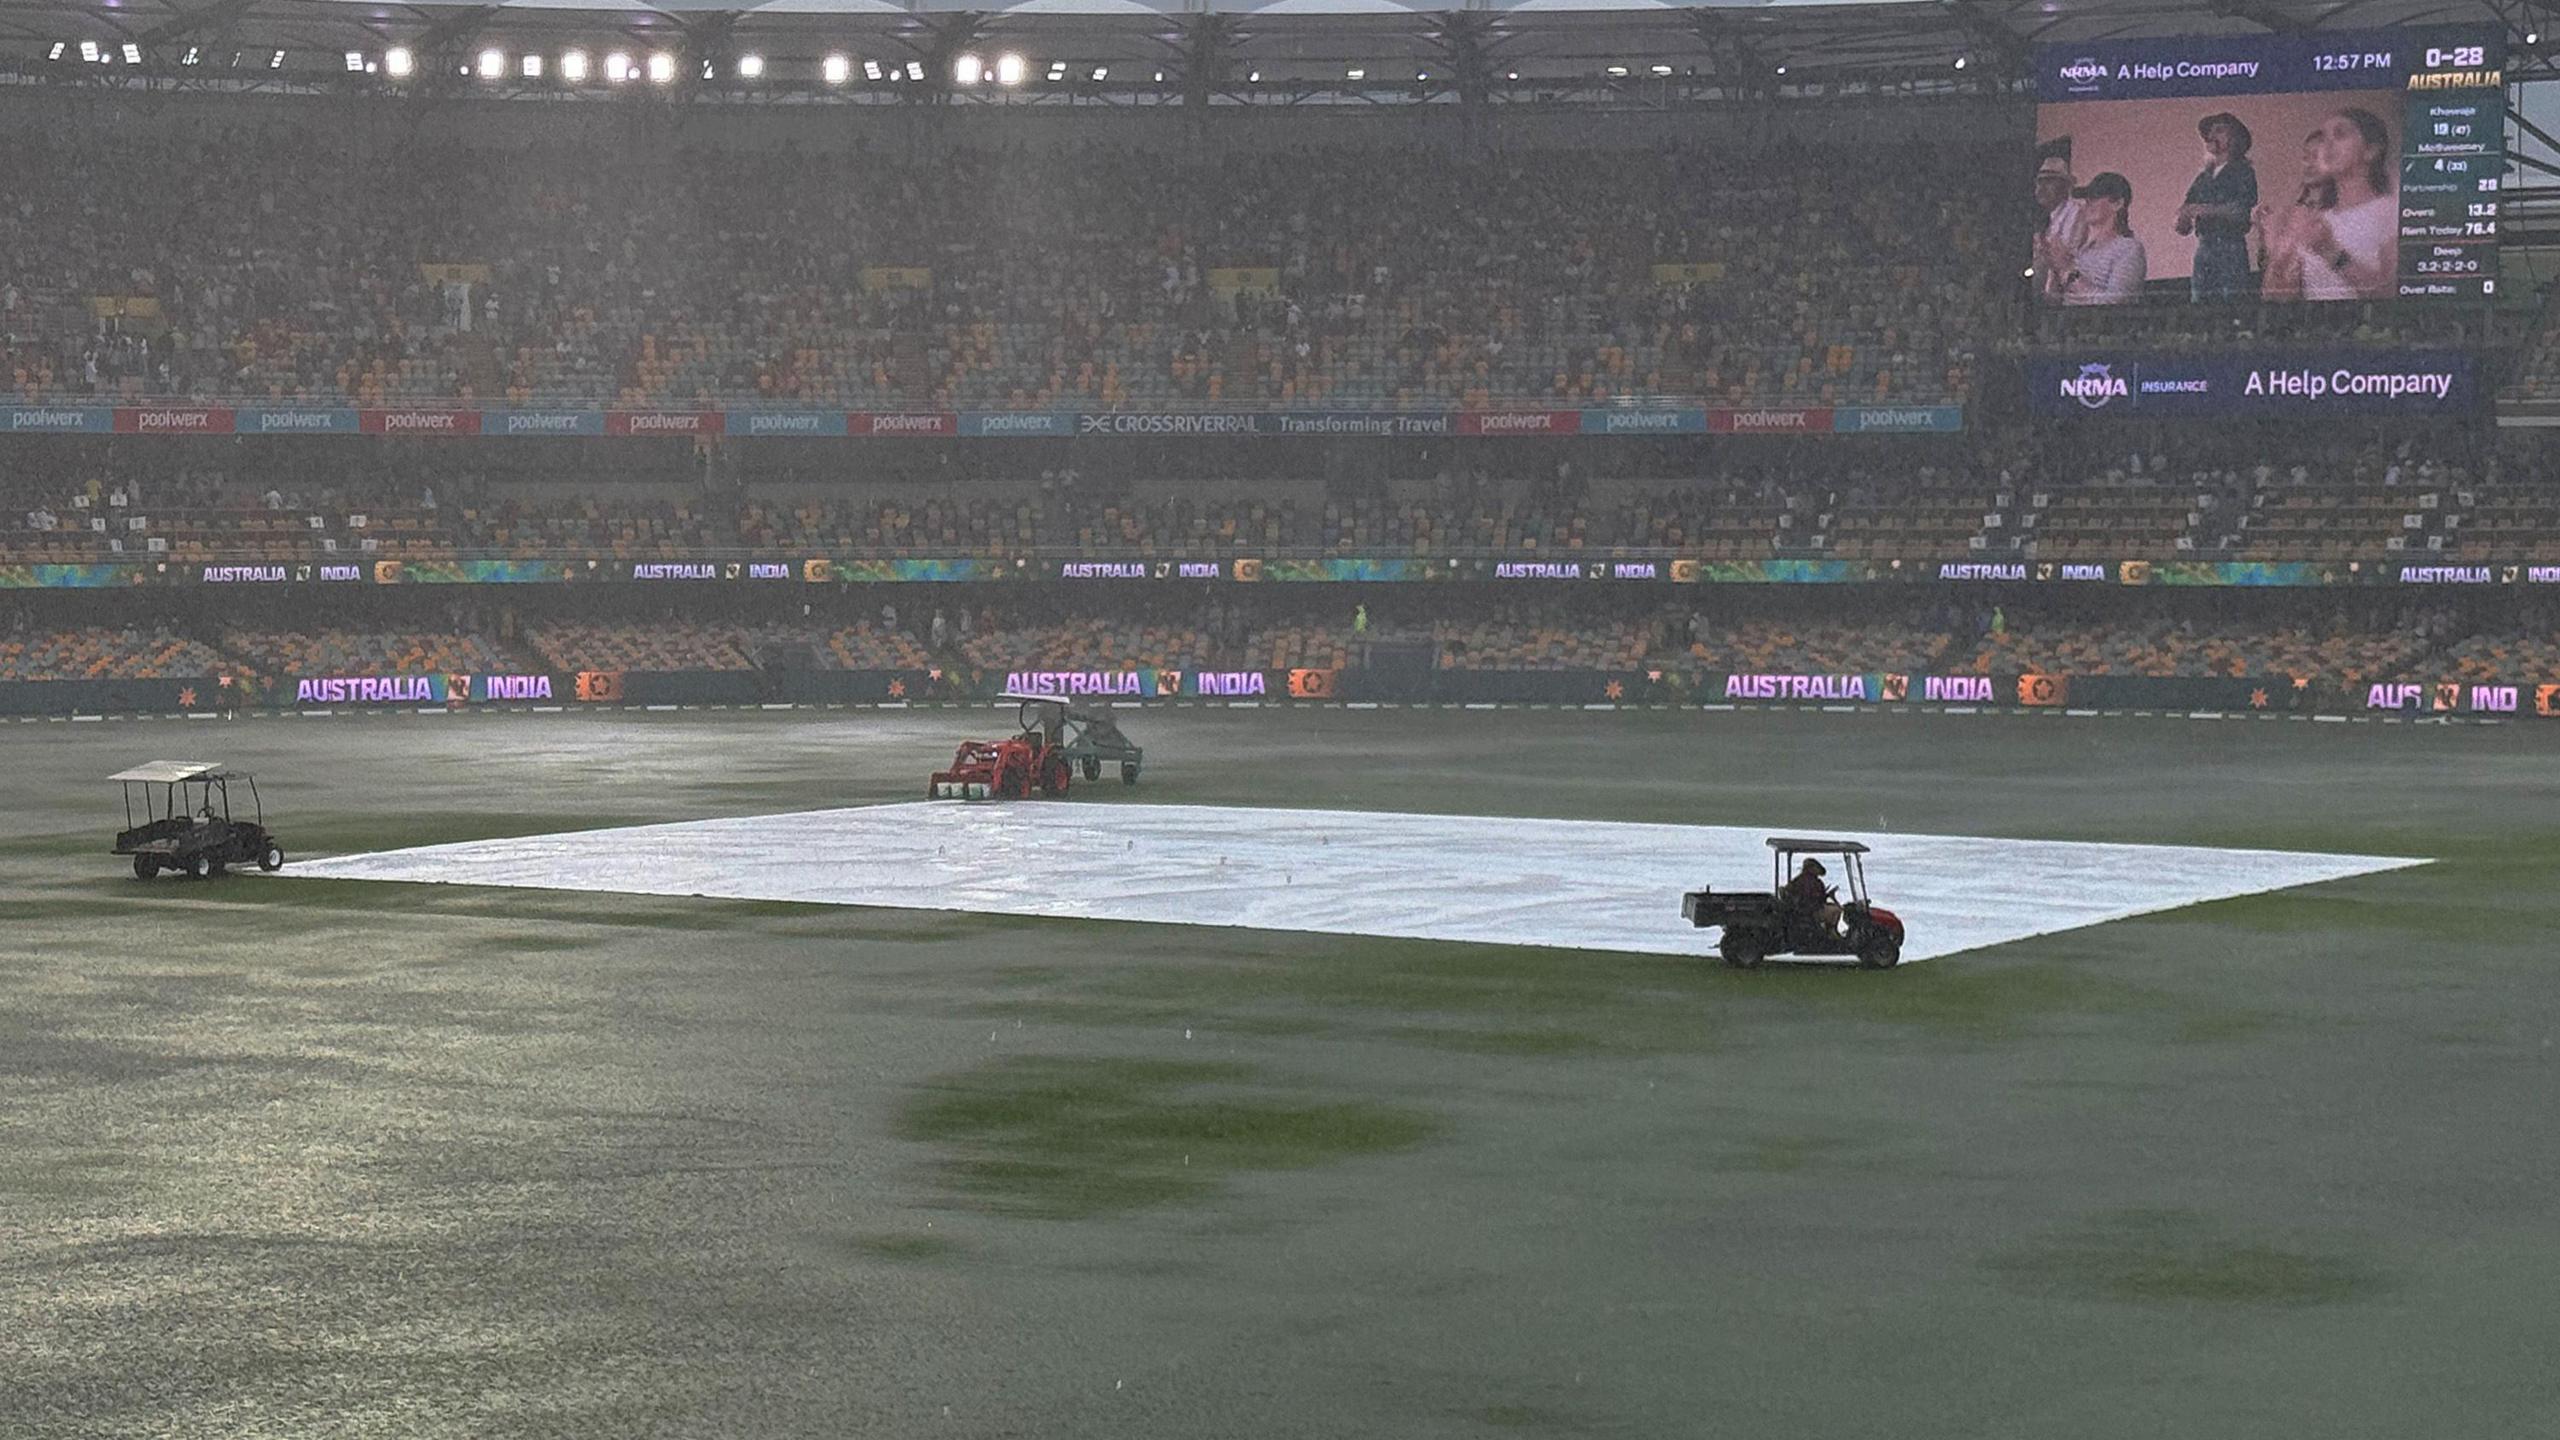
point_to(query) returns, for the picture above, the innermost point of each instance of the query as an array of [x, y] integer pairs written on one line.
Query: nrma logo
[[2084, 71], [2096, 387]]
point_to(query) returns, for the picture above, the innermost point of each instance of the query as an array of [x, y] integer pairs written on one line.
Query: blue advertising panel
[[1155, 422], [298, 420], [987, 424], [58, 419], [812, 423], [1898, 420], [2278, 383]]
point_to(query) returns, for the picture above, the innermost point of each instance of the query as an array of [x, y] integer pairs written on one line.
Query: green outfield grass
[[292, 1156]]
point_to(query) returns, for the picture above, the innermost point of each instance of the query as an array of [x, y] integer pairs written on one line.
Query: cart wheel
[[1881, 952], [1055, 778], [1742, 951], [271, 859], [145, 866], [1092, 768], [197, 867], [1129, 774]]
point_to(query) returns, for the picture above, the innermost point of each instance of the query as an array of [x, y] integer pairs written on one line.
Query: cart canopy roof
[[169, 772], [1802, 846]]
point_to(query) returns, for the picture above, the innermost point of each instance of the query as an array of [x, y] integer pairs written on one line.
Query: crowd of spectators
[[270, 259], [273, 263]]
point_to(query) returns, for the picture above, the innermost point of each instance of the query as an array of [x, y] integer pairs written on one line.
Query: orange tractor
[[1001, 770]]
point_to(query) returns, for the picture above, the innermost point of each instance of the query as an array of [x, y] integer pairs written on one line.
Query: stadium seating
[[2528, 653], [1916, 632], [870, 647], [344, 652], [2332, 504], [98, 653], [1097, 278], [2162, 648], [1818, 647], [671, 645], [1090, 643]]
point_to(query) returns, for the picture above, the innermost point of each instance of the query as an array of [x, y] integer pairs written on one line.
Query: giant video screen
[[2349, 166]]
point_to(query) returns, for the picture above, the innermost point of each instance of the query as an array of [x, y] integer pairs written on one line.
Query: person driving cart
[[1811, 900], [1800, 913]]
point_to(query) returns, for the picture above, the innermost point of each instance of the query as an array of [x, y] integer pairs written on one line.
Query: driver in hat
[[1808, 896]]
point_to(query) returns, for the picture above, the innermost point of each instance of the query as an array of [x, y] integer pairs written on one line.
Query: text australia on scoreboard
[[2456, 128], [2128, 114]]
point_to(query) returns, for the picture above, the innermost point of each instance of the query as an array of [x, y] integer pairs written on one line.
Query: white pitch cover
[[1575, 884]]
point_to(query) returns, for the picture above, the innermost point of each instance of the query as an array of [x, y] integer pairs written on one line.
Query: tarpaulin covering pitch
[[1577, 884]]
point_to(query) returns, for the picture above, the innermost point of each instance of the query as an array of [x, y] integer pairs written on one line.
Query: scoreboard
[[2455, 124], [2131, 107]]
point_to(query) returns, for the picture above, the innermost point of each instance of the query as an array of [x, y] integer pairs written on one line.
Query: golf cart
[[186, 821], [1086, 740], [1758, 924], [1056, 741]]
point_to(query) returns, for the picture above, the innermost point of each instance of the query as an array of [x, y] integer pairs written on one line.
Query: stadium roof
[[1224, 51]]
